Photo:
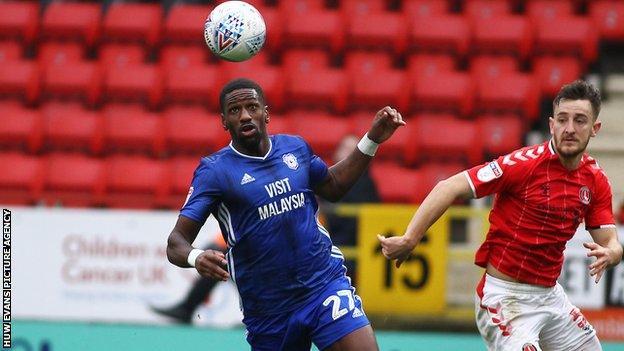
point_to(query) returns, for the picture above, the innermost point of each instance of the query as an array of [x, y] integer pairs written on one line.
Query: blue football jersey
[[278, 253]]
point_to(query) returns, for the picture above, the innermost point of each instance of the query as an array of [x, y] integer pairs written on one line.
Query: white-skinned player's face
[[245, 116], [572, 125]]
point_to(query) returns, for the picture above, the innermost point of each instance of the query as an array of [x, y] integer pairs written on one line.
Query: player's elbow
[[455, 186]]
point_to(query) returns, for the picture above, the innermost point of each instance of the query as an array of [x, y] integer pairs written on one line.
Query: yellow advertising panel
[[419, 286]]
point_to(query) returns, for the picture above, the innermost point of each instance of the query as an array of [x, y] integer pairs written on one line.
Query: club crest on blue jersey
[[291, 161]]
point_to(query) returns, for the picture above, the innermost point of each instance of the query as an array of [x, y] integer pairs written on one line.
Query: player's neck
[[253, 147], [570, 163]]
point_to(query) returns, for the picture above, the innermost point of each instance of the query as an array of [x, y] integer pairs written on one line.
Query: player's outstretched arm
[[346, 172], [209, 263], [606, 248], [434, 205]]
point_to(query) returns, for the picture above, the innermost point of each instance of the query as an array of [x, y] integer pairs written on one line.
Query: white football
[[235, 31]]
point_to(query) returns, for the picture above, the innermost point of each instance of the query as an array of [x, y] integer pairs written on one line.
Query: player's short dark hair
[[580, 90], [239, 83]]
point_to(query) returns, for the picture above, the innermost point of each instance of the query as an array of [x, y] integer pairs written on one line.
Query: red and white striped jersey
[[538, 206]]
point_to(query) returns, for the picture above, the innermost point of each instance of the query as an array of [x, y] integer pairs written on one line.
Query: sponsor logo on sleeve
[[489, 172]]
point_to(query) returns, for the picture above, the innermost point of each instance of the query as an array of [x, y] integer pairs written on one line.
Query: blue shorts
[[324, 319]]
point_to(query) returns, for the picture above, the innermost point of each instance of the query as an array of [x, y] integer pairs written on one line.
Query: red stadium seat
[[70, 20], [548, 10], [443, 137], [361, 7], [21, 180], [269, 77], [553, 72], [120, 55], [69, 126], [427, 64], [374, 83], [182, 57], [500, 134], [478, 10], [298, 60], [10, 51], [136, 182], [378, 31], [321, 87], [417, 10], [431, 174], [79, 80], [395, 184], [315, 28], [20, 127], [137, 83], [21, 79], [274, 27], [194, 84], [192, 130], [492, 66], [73, 180], [300, 6], [130, 128], [181, 170], [503, 34], [133, 22], [444, 91], [60, 53], [445, 33], [608, 16], [19, 20], [568, 35], [182, 22], [280, 124], [512, 92], [323, 140]]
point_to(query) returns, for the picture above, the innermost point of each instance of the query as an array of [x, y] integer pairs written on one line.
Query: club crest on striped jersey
[[489, 172], [585, 195], [291, 161]]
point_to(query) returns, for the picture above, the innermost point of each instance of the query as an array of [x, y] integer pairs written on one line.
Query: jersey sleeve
[[203, 195], [600, 211], [318, 167], [493, 177]]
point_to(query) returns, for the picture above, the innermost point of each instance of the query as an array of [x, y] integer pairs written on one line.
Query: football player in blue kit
[[261, 189]]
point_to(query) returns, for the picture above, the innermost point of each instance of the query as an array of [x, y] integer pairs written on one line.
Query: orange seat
[[10, 51], [192, 130], [21, 79], [511, 92], [134, 22], [395, 184], [500, 134], [441, 33], [431, 174], [137, 83], [182, 23], [20, 127], [572, 35], [478, 10], [60, 53], [315, 28], [74, 21], [323, 140], [21, 180], [135, 182], [194, 84], [492, 66], [512, 34], [608, 16], [73, 180], [79, 80], [130, 128], [444, 137], [444, 91], [381, 30], [182, 57], [19, 20], [553, 72], [270, 78], [69, 126], [181, 170], [114, 54]]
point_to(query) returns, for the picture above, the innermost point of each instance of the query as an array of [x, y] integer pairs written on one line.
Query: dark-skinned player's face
[[245, 115]]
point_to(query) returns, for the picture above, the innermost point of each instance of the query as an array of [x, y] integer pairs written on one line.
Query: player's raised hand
[[210, 264], [386, 121], [395, 247], [604, 256]]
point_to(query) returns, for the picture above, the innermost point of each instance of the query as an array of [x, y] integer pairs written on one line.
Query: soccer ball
[[235, 31]]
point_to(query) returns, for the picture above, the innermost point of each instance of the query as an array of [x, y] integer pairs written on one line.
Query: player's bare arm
[[345, 173], [209, 263], [434, 205], [606, 248]]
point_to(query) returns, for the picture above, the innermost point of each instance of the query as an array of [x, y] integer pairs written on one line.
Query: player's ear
[[266, 114], [596, 128], [225, 127], [551, 124]]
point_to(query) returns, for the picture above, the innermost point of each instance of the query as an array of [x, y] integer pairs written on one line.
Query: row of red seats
[[549, 26], [192, 130], [305, 79], [139, 182]]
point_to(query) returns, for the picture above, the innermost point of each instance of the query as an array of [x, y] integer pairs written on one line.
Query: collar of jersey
[[254, 157]]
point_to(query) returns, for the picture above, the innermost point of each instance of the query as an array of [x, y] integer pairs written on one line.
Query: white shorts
[[522, 317]]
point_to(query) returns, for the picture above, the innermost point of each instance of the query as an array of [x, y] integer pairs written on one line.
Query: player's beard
[[568, 152]]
